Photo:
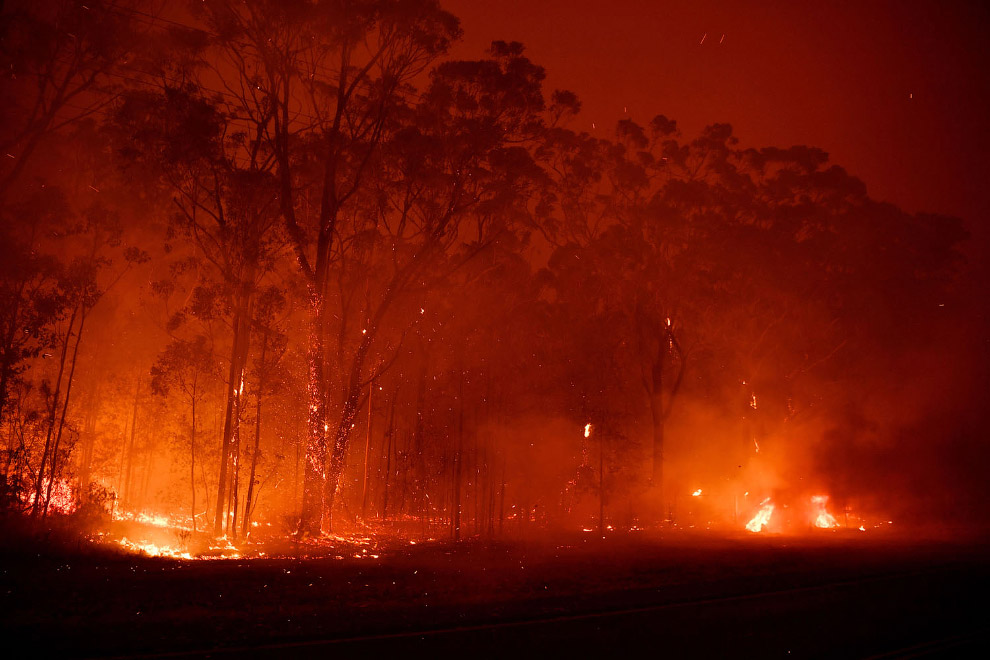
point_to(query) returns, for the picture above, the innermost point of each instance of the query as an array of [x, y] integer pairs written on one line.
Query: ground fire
[[362, 307]]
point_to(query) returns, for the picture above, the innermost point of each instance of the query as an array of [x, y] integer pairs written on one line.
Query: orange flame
[[823, 518], [762, 517]]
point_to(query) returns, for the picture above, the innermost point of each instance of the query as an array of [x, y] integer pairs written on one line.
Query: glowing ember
[[156, 519], [696, 493], [63, 498], [823, 518], [587, 430], [762, 517]]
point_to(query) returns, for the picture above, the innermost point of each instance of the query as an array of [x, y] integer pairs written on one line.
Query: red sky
[[897, 92]]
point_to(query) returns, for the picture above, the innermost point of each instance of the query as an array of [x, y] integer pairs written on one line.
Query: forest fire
[[350, 290]]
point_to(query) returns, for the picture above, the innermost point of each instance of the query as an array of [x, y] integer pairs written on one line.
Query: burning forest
[[294, 292]]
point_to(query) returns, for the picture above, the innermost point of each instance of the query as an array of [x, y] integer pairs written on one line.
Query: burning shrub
[[93, 507]]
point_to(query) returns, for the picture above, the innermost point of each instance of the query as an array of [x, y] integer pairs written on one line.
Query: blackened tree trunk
[[65, 406], [52, 409], [235, 379], [249, 498], [192, 457]]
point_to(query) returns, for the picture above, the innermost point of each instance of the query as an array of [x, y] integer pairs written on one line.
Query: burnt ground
[[827, 595]]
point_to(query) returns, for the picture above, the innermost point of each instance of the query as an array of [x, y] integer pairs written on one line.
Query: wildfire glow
[[762, 517]]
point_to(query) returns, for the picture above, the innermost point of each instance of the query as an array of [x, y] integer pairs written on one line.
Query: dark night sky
[[835, 74]]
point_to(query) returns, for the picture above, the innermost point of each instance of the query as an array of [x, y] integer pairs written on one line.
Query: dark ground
[[678, 595]]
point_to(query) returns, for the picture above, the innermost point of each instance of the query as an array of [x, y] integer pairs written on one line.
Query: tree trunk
[[235, 477], [8, 349], [314, 465], [192, 459], [126, 485], [248, 500], [36, 506], [367, 452], [388, 453], [235, 376], [459, 460], [65, 407]]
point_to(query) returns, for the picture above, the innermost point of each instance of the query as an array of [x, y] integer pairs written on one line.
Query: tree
[[189, 366], [317, 82]]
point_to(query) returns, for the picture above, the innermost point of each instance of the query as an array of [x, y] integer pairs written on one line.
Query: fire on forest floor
[[157, 535]]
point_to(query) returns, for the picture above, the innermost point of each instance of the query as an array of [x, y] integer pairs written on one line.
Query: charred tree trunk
[[52, 410], [248, 500], [235, 476], [658, 418], [65, 407], [367, 455], [390, 433], [238, 357], [125, 487], [661, 401], [192, 458], [458, 460], [314, 463]]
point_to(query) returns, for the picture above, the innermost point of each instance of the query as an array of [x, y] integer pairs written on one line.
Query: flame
[[153, 550], [63, 499], [823, 518], [762, 517]]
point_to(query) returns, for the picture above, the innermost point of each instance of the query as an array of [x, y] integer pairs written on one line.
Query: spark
[[705, 36], [587, 430], [696, 493]]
